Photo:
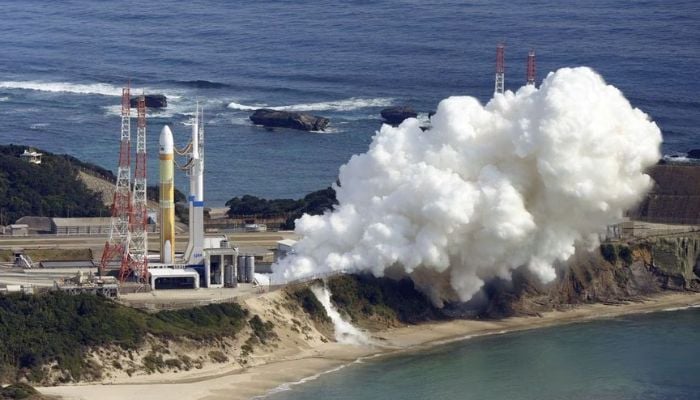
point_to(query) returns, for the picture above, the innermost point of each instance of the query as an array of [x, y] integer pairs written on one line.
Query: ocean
[[63, 65], [650, 357]]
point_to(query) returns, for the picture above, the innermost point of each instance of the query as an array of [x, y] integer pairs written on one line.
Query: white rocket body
[[194, 255]]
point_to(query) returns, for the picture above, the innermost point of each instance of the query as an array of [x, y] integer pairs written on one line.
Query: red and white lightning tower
[[138, 247], [500, 69], [117, 246], [531, 68]]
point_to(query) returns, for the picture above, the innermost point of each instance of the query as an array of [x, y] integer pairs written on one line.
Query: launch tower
[[531, 68], [128, 240], [195, 170], [138, 248], [117, 246]]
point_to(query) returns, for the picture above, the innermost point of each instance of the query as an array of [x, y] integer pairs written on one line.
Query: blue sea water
[[647, 357], [62, 65]]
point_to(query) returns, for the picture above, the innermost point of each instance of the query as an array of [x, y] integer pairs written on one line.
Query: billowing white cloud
[[486, 189]]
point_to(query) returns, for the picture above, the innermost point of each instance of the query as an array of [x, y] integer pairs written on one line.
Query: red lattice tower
[[117, 246], [531, 68], [500, 69], [138, 247]]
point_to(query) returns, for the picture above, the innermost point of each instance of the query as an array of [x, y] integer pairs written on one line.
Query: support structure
[[117, 246], [138, 247], [500, 69], [194, 255], [531, 68]]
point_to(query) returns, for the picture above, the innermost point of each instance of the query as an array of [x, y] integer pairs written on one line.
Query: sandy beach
[[295, 366]]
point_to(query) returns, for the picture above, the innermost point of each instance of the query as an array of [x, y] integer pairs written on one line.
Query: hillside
[[314, 203], [51, 337], [51, 189], [56, 338]]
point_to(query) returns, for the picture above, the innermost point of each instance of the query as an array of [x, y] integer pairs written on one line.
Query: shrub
[[626, 255], [308, 301], [218, 357], [264, 331], [608, 252], [153, 362], [56, 327], [18, 391], [173, 363]]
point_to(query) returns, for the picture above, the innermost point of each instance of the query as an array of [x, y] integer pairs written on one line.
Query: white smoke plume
[[487, 189], [345, 332]]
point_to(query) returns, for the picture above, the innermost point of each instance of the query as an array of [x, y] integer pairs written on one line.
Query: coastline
[[291, 367]]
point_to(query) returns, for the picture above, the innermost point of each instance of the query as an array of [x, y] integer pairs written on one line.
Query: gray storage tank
[[230, 276], [249, 269], [241, 269]]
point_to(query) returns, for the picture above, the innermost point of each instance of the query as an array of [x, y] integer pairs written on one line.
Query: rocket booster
[[167, 197]]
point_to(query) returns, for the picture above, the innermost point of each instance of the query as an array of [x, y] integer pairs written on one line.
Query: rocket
[[167, 197]]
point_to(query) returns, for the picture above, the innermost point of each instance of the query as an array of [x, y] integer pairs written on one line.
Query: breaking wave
[[102, 89], [201, 84], [243, 107], [353, 103]]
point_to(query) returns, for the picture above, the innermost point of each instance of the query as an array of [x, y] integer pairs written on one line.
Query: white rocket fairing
[[167, 196]]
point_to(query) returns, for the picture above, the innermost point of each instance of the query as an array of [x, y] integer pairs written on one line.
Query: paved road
[[249, 241]]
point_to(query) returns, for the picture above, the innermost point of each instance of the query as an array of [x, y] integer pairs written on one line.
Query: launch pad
[[209, 262]]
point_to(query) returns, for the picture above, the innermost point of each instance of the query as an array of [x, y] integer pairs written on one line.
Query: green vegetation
[[50, 189], [608, 252], [308, 301], [218, 356], [264, 331], [56, 327], [19, 391], [612, 253], [313, 203], [380, 300], [625, 254], [370, 302]]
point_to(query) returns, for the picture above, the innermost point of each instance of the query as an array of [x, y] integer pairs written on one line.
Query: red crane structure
[[138, 223], [531, 68], [117, 246], [128, 235], [500, 69]]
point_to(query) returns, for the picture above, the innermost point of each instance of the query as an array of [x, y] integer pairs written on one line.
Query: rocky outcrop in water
[[152, 101], [289, 119], [396, 115]]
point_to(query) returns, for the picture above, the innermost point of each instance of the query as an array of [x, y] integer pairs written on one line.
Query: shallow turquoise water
[[653, 356]]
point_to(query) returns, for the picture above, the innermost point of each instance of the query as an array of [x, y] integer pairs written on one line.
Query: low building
[[85, 226], [173, 278], [285, 247], [31, 156], [89, 264], [18, 230], [37, 225]]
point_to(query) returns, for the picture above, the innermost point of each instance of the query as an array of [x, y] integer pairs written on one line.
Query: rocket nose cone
[[166, 140]]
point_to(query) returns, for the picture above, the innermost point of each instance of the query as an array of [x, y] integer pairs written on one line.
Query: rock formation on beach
[[289, 119]]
